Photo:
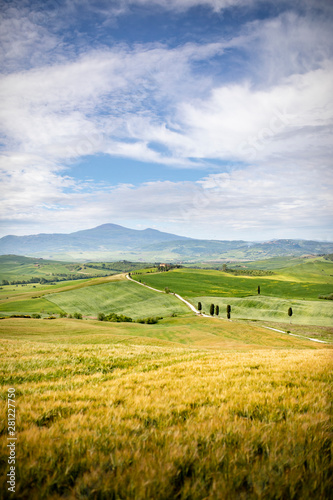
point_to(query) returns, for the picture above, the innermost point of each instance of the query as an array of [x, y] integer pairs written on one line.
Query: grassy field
[[29, 306], [190, 408], [16, 267], [297, 286], [187, 330], [24, 299], [122, 297], [270, 308], [196, 282]]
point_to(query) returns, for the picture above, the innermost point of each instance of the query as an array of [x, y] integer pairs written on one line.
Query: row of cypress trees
[[214, 309]]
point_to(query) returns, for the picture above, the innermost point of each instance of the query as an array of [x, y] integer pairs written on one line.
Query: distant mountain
[[113, 242], [108, 237]]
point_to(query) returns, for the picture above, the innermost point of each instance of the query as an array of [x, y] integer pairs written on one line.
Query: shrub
[[77, 315], [20, 316], [149, 321], [101, 317], [118, 318]]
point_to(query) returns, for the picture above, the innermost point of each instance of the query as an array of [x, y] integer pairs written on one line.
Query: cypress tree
[[212, 308]]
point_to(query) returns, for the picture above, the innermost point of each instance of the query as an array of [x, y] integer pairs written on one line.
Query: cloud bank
[[254, 109]]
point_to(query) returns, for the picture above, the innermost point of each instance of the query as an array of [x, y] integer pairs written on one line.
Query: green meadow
[[29, 306], [17, 267], [305, 312], [123, 297], [199, 282], [298, 286]]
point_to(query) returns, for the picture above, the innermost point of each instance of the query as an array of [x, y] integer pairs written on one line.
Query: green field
[[190, 408], [122, 297], [18, 268], [274, 309], [29, 306], [298, 286], [288, 285], [190, 330]]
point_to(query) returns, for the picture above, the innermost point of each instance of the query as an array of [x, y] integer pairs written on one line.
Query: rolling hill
[[114, 242]]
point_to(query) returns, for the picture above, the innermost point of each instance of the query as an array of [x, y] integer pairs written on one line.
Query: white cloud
[[148, 103], [292, 120], [255, 203]]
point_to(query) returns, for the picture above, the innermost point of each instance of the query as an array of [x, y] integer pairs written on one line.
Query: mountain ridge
[[112, 241]]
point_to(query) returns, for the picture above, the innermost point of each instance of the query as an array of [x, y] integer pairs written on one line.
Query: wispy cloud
[[169, 105]]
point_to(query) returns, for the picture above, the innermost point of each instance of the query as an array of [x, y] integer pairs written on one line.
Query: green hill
[[122, 297], [287, 284]]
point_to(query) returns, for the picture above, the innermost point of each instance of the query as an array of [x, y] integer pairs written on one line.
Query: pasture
[[182, 409]]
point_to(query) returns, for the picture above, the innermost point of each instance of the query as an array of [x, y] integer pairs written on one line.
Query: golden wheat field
[[138, 418]]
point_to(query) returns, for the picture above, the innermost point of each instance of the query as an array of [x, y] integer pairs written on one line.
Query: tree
[[290, 313], [217, 310], [101, 317], [228, 311], [258, 289], [211, 310], [5, 282], [199, 306]]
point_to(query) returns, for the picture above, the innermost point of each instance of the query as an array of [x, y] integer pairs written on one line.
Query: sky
[[204, 118]]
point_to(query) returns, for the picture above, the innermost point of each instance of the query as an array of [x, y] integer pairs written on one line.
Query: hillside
[[114, 242]]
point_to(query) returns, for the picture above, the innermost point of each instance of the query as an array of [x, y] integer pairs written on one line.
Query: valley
[[237, 404]]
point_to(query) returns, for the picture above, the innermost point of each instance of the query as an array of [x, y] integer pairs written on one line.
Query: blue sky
[[210, 119]]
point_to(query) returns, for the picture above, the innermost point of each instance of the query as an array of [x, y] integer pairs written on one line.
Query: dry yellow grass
[[98, 421]]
